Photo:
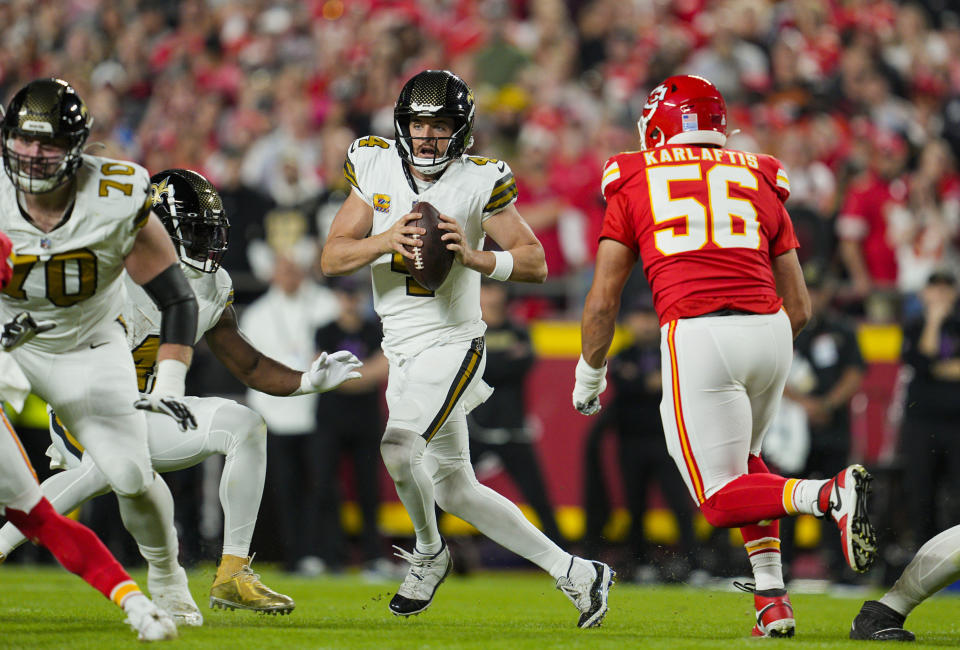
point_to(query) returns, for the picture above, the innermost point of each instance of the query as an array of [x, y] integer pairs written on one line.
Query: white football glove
[[329, 371], [168, 405], [590, 383], [21, 329]]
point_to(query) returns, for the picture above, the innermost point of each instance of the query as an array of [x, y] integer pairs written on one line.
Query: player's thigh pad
[[423, 391], [18, 483], [221, 424], [92, 390], [449, 449], [711, 368]]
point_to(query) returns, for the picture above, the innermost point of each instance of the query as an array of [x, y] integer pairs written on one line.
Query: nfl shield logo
[[689, 122], [45, 243]]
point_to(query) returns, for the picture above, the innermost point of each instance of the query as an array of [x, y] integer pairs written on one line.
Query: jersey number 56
[[728, 222]]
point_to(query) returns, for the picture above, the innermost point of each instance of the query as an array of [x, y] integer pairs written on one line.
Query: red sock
[[77, 548], [746, 500], [752, 532]]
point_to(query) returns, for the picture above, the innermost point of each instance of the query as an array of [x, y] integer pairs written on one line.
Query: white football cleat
[[149, 621], [587, 585], [172, 595], [848, 508], [425, 575]]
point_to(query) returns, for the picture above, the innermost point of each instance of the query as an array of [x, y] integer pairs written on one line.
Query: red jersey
[[6, 264], [706, 222]]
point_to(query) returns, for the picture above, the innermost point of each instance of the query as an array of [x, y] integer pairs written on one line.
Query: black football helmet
[[49, 110], [434, 93], [191, 210]]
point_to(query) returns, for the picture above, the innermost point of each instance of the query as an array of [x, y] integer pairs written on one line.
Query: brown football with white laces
[[431, 262]]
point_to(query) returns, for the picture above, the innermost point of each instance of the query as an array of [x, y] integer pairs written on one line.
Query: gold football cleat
[[236, 586]]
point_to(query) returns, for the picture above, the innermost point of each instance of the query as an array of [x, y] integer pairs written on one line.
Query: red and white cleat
[[848, 508]]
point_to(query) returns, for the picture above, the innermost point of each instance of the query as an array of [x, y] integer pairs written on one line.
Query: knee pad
[[397, 448]]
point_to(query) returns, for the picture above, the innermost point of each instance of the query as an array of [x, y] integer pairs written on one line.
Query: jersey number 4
[[732, 222]]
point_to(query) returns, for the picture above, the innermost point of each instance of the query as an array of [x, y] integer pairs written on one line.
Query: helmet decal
[[192, 212]]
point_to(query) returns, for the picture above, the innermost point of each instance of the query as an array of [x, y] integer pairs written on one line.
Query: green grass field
[[49, 608]]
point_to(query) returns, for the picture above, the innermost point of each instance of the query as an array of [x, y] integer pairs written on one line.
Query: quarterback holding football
[[433, 337]]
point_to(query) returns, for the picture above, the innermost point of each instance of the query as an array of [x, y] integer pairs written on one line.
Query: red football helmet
[[684, 109]]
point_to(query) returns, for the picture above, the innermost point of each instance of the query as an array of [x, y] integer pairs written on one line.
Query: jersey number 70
[[728, 222]]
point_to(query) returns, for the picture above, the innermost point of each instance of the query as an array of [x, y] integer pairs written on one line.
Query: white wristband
[[306, 386], [504, 266], [171, 378]]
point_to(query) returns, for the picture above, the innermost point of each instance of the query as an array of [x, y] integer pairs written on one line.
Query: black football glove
[[168, 405], [21, 329]]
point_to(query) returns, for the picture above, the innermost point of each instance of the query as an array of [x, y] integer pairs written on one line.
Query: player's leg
[[239, 433], [66, 491], [936, 565], [458, 492], [709, 367], [75, 546], [402, 449], [92, 391], [422, 391]]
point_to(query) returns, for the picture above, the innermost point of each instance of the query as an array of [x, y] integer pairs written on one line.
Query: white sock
[[498, 518], [149, 518], [936, 565], [767, 563], [801, 496]]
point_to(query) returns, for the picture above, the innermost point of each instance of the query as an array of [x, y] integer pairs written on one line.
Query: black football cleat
[[877, 622]]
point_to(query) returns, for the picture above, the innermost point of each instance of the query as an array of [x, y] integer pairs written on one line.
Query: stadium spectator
[[929, 445], [865, 247], [282, 324], [350, 422]]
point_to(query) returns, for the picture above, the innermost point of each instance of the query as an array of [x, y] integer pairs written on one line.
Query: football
[[432, 261]]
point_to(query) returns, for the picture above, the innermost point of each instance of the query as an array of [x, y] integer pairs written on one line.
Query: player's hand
[[168, 405], [456, 240], [590, 382], [21, 328], [329, 371], [402, 234]]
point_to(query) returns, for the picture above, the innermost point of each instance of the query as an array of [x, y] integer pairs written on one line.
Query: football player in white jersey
[[191, 209], [434, 339], [76, 221]]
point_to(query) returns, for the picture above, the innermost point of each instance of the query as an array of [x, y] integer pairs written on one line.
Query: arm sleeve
[[177, 303]]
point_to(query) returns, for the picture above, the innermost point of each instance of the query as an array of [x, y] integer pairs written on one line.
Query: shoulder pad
[[775, 174], [498, 177], [617, 171], [361, 154]]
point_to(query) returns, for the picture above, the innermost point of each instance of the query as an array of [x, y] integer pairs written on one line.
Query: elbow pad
[[173, 296]]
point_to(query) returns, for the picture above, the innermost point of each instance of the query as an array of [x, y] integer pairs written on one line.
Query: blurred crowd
[[860, 99]]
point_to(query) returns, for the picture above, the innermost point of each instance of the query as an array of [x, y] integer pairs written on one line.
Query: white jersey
[[470, 190], [141, 318], [72, 274]]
